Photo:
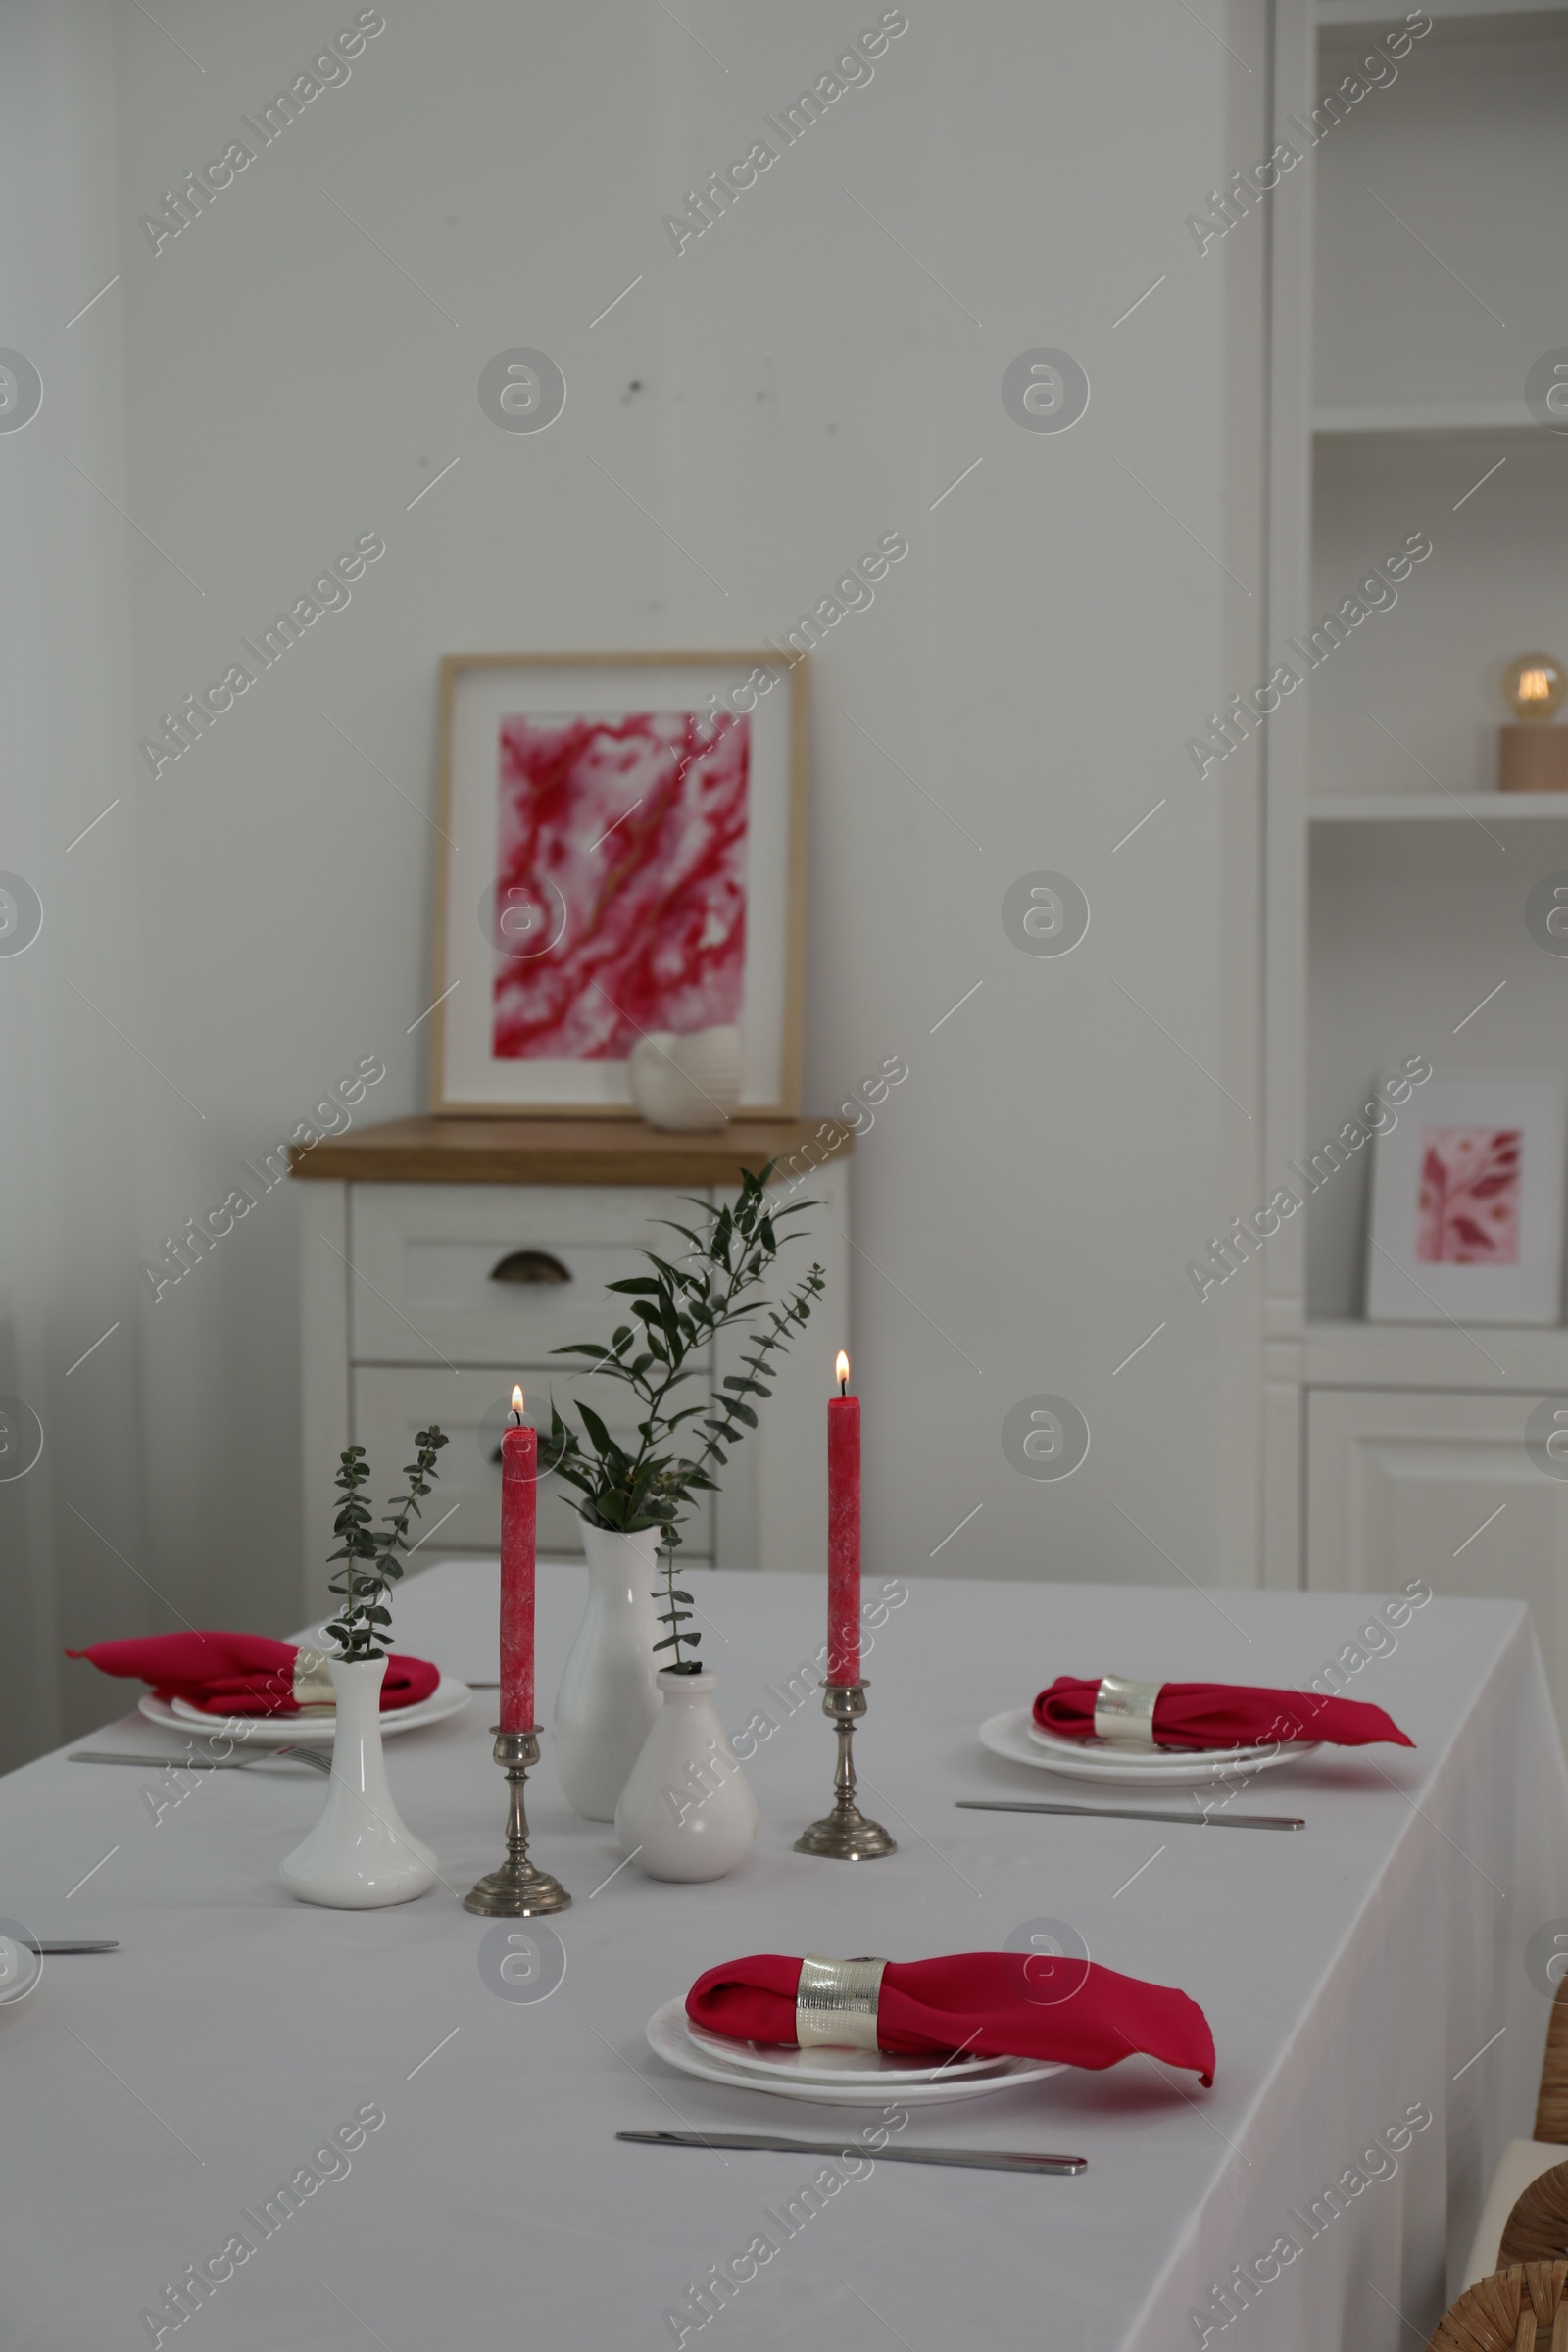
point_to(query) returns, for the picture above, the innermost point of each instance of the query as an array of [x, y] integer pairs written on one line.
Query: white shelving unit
[[1417, 276]]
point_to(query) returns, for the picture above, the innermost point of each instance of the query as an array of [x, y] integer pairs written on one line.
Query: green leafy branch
[[679, 1309], [371, 1554]]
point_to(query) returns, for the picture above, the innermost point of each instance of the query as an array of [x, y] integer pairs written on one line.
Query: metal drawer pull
[[529, 1265]]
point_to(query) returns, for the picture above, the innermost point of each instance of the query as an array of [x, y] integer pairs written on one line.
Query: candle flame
[[840, 1369], [516, 1399]]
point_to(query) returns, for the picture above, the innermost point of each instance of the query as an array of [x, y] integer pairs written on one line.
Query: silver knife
[[50, 1950], [1193, 1821], [260, 1755], [985, 2160]]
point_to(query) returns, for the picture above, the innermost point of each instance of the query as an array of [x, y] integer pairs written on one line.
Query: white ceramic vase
[[358, 1857], [686, 1812], [609, 1695], [687, 1082]]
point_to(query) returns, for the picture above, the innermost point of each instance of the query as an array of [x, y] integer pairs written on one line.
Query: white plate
[[669, 2039], [1008, 1735], [20, 1969], [874, 2067], [1147, 1759], [301, 1731]]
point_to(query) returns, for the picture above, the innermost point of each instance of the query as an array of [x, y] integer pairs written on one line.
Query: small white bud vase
[[608, 1695], [687, 1082], [358, 1857], [687, 1811]]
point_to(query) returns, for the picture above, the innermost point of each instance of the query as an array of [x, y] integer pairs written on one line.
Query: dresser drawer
[[390, 1404], [493, 1274]]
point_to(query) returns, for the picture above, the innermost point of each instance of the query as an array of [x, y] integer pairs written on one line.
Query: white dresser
[[442, 1259]]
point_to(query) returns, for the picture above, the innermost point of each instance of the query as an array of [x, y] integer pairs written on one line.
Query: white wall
[[1027, 1200], [1468, 149]]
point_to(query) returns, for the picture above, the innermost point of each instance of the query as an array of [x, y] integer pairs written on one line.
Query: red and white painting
[[621, 851], [1469, 1213]]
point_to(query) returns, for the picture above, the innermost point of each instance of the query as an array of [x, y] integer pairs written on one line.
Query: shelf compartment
[[1344, 20], [1525, 1358], [1459, 419], [1408, 808]]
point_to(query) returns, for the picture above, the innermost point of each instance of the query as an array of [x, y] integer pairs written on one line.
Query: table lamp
[[1533, 755]]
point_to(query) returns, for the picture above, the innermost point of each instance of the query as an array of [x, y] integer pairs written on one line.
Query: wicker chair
[[1524, 2308], [1552, 2107], [1523, 2160], [1537, 2229], [1521, 2303]]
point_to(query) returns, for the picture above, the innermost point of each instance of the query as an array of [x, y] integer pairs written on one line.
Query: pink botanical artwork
[[621, 877], [1469, 1196]]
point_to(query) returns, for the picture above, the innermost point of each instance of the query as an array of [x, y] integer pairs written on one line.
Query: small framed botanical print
[[1467, 1202], [621, 853]]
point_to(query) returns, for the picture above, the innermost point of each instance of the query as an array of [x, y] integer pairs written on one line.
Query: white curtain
[[71, 1529]]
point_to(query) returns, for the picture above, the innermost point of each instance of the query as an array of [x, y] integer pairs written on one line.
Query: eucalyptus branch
[[363, 1617], [677, 1309]]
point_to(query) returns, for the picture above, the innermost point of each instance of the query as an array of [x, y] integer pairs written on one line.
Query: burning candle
[[843, 1530], [520, 1496]]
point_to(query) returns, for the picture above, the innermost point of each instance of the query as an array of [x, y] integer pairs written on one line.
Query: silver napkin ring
[[313, 1684], [1124, 1712], [836, 2003]]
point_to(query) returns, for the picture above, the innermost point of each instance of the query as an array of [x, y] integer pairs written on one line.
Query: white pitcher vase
[[609, 1693], [358, 1857], [687, 1811]]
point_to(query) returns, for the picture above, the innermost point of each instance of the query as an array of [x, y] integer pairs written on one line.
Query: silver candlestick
[[845, 1835], [516, 1891]]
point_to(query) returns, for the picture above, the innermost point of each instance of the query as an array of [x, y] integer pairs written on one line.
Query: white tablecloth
[[1351, 1972]]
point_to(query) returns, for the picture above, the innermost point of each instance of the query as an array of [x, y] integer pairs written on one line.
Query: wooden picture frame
[[505, 717]]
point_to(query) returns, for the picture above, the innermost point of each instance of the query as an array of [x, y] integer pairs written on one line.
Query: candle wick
[[844, 1387]]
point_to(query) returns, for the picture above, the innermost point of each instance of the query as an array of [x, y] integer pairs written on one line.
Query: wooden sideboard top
[[492, 1151]]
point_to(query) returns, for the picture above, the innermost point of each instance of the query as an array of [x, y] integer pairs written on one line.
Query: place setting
[[1146, 1739], [267, 1694], [923, 2034]]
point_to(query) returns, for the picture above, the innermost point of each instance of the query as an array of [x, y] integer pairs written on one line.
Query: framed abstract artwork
[[1467, 1202], [621, 853]]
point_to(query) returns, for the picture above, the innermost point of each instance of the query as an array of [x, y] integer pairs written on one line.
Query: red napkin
[[239, 1673], [1226, 1715], [986, 2004]]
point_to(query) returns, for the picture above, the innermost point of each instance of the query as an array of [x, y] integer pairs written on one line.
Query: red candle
[[520, 1499], [844, 1530]]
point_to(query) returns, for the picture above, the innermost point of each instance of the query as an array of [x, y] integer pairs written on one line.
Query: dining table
[[444, 2092]]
